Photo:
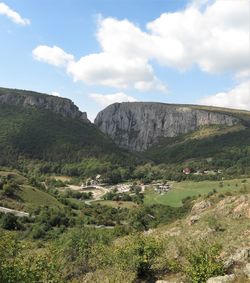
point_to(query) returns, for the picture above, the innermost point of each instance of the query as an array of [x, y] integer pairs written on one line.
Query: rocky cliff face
[[62, 106], [137, 125]]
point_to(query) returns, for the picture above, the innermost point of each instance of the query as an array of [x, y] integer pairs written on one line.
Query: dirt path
[[15, 212]]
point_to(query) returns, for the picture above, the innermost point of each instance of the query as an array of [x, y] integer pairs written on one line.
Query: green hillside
[[211, 147], [45, 138]]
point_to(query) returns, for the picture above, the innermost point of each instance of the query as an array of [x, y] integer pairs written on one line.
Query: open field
[[184, 189]]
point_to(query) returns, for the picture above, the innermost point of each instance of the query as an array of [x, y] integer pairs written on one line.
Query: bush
[[38, 232], [8, 190], [202, 262], [18, 266], [137, 254], [10, 222]]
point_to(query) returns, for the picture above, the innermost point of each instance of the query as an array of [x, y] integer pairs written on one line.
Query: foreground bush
[[202, 262], [16, 267]]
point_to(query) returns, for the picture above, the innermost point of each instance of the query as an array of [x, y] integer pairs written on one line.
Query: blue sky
[[96, 52]]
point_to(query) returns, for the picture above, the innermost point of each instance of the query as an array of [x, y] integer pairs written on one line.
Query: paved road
[[15, 212], [99, 197]]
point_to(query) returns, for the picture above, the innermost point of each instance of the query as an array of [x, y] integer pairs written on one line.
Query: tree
[[10, 222]]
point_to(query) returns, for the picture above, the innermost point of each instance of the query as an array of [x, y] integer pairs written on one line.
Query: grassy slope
[[27, 197], [228, 213], [214, 141]]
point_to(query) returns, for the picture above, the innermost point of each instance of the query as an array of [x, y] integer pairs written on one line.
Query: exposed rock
[[241, 255], [168, 281], [193, 219], [222, 279], [229, 263], [138, 125], [200, 206], [242, 208], [247, 270], [62, 106], [174, 232]]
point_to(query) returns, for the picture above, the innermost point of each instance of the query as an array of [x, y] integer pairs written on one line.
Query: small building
[[161, 189], [187, 170]]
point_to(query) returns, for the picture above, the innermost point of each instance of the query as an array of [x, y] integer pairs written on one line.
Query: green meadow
[[181, 190]]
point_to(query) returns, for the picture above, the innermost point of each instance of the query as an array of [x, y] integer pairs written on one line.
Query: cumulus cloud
[[52, 55], [213, 35], [55, 93], [107, 99], [13, 15], [238, 97], [216, 39]]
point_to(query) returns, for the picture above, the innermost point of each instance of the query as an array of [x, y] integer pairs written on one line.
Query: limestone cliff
[[62, 106], [138, 125]]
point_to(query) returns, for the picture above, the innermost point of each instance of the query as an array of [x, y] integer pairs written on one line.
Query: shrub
[[137, 254], [17, 266], [38, 232], [8, 190], [10, 222], [202, 262]]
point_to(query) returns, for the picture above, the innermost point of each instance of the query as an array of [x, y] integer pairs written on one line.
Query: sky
[[97, 52]]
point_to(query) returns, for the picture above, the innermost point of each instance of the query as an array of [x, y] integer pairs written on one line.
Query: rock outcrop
[[62, 106], [138, 125], [222, 279]]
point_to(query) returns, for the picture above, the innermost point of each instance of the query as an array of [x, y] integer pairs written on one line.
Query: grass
[[184, 189], [27, 197], [116, 204], [15, 176], [33, 198]]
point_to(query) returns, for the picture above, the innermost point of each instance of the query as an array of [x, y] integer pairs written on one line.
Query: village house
[[187, 170], [92, 181], [162, 188]]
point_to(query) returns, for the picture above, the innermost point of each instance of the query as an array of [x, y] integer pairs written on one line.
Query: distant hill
[[35, 126], [184, 135], [139, 125]]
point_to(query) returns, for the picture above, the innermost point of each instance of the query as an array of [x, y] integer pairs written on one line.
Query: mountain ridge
[[137, 126], [62, 106]]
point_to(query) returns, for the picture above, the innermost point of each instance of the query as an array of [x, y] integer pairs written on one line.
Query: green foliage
[[9, 188], [137, 254], [141, 218], [229, 151], [79, 246], [203, 262], [78, 195], [16, 266], [49, 222], [150, 216], [10, 222], [58, 145]]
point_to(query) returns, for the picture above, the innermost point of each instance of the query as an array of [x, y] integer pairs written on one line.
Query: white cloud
[[107, 70], [55, 93], [107, 99], [238, 97], [214, 35], [13, 15], [52, 55], [216, 39]]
